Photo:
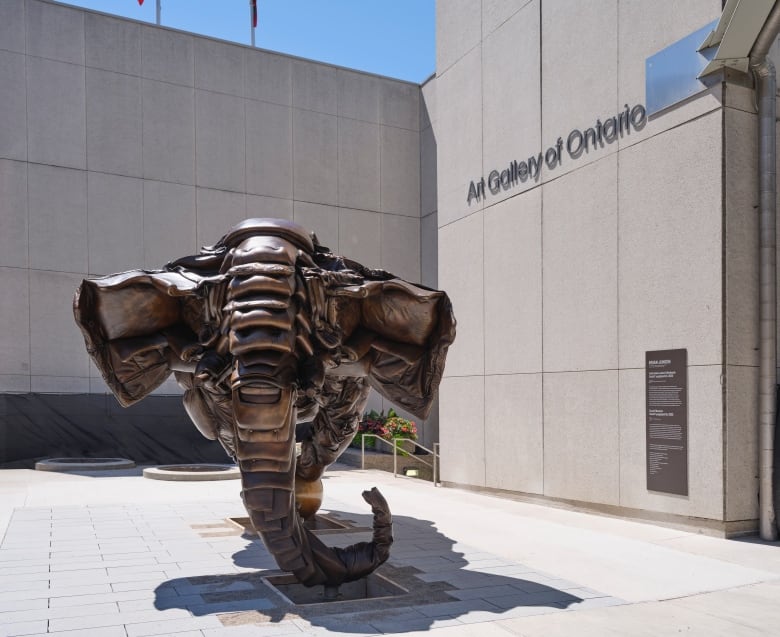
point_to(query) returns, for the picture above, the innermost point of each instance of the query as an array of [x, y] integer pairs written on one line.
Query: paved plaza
[[112, 554]]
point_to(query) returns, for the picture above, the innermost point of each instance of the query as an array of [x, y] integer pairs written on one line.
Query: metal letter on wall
[[666, 387]]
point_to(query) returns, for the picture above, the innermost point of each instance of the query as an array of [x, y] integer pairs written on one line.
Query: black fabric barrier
[[154, 431]]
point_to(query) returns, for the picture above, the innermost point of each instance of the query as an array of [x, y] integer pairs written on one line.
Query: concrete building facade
[[563, 280], [124, 145], [573, 232]]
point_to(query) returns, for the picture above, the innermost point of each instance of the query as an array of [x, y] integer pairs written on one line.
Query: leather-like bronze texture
[[264, 330]]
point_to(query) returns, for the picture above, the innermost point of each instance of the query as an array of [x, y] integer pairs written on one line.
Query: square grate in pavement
[[373, 587], [391, 590], [321, 524]]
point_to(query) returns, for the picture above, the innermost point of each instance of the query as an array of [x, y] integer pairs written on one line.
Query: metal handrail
[[434, 452]]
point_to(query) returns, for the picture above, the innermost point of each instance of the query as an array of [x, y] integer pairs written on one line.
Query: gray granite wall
[[124, 144], [561, 282]]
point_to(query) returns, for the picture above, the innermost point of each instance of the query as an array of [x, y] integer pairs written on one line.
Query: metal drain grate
[[320, 524], [373, 587]]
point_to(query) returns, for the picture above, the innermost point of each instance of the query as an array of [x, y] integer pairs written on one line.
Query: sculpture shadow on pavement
[[441, 584]]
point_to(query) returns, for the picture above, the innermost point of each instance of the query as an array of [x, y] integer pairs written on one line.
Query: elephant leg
[[265, 328], [342, 402]]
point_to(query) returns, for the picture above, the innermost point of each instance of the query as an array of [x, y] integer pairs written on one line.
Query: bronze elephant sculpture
[[264, 330]]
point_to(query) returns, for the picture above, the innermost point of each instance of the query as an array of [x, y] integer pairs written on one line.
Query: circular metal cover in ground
[[193, 472], [83, 464]]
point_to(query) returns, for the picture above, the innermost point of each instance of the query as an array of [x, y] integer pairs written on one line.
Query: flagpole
[[158, 11], [252, 21]]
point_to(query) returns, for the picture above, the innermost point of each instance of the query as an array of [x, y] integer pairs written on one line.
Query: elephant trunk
[[266, 325]]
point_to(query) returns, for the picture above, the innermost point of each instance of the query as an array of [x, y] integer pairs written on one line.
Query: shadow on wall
[[437, 579], [155, 431]]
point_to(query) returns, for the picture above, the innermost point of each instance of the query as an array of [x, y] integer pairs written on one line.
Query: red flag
[[253, 3], [140, 2]]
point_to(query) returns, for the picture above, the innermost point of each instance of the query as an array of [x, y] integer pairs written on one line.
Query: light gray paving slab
[[256, 603], [485, 592], [52, 594], [445, 622], [488, 563], [11, 554], [90, 576], [77, 534], [174, 555], [32, 533], [130, 554], [393, 625], [545, 580], [254, 630], [22, 605], [154, 602], [31, 525], [72, 545], [72, 565], [187, 588], [531, 586], [22, 628], [146, 566], [129, 546], [117, 618], [59, 612], [592, 602], [541, 598], [25, 570], [115, 534], [186, 633], [100, 598], [450, 609], [483, 617], [136, 585], [35, 580], [157, 577], [584, 593], [170, 627], [66, 557], [193, 566], [69, 522], [459, 579], [508, 570], [105, 631]]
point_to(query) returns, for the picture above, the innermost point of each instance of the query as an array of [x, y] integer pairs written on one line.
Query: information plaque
[[666, 391]]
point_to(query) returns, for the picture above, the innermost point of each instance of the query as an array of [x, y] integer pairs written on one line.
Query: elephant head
[[265, 330]]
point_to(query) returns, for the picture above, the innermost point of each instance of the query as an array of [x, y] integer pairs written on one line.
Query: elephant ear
[[129, 320], [414, 326], [397, 332]]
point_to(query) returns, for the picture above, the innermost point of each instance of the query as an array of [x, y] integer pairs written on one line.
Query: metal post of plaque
[[666, 387]]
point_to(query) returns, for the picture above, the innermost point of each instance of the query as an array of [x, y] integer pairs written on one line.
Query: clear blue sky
[[389, 37]]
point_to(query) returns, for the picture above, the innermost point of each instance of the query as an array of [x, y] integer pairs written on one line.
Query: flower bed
[[386, 427]]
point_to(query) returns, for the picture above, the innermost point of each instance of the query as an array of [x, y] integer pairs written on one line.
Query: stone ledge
[[83, 464], [193, 472]]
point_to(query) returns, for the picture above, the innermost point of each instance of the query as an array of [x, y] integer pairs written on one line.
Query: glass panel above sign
[[671, 75]]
